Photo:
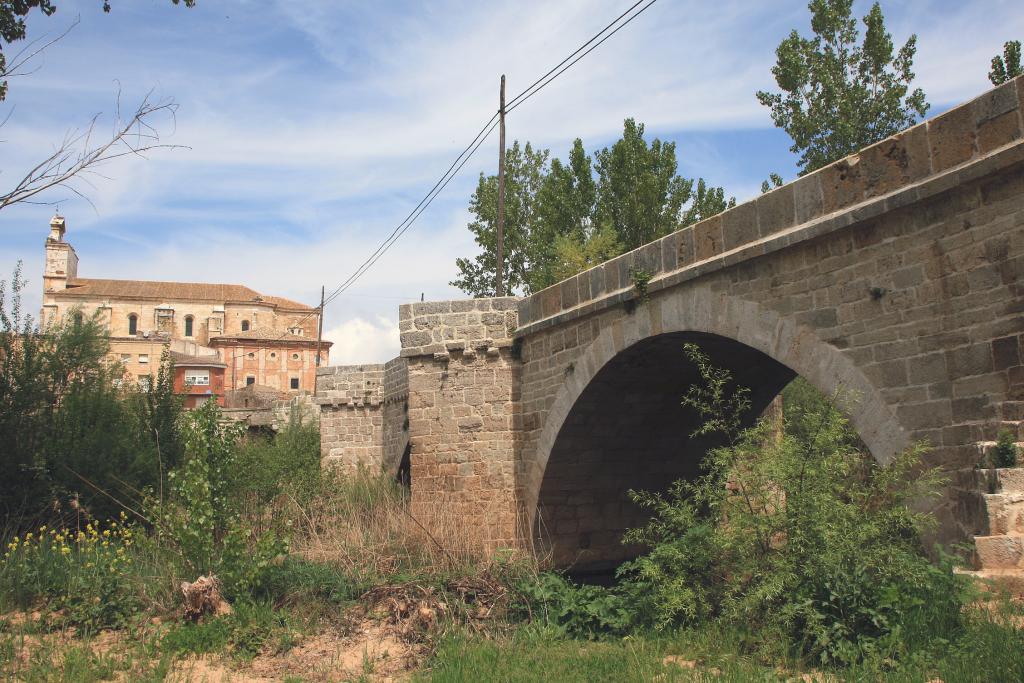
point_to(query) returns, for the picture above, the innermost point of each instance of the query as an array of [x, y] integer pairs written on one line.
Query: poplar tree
[[838, 94], [1007, 66]]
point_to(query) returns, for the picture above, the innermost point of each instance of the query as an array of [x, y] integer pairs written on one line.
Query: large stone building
[[260, 340]]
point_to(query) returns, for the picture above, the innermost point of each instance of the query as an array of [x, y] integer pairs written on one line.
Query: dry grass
[[363, 524]]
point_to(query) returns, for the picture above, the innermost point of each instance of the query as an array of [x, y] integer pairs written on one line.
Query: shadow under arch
[[617, 422]]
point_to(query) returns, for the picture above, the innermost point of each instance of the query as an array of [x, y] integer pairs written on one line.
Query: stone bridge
[[891, 278]]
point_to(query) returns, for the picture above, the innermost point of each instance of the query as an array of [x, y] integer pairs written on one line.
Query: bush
[[803, 536], [201, 520], [74, 446], [576, 611]]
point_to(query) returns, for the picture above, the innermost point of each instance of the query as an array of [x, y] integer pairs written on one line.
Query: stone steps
[[999, 551]]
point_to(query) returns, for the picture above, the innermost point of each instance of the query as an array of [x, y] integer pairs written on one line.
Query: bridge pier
[[463, 417]]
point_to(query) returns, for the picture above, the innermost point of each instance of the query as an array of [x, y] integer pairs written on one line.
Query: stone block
[[807, 198], [842, 184], [952, 138], [896, 161], [927, 368], [739, 225], [570, 295], [707, 238], [995, 103], [975, 359], [999, 131], [776, 210], [1006, 352]]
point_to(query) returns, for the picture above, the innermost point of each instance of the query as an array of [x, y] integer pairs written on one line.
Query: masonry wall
[[351, 416], [396, 413], [463, 412], [895, 272]]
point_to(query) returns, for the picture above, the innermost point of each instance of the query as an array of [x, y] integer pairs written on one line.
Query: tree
[[70, 439], [641, 196], [839, 96], [564, 218], [1007, 66], [566, 207], [525, 169], [79, 154]]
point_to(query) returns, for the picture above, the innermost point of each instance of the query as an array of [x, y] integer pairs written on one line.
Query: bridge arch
[[774, 345]]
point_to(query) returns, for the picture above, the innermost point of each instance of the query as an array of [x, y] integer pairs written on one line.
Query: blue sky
[[314, 127]]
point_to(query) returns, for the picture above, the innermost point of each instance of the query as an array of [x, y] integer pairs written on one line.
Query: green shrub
[[296, 581], [811, 540], [74, 446], [200, 519], [1005, 452], [289, 461], [576, 611]]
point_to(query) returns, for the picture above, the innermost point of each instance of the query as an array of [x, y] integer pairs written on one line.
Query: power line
[[523, 96], [595, 37], [482, 135], [399, 230]]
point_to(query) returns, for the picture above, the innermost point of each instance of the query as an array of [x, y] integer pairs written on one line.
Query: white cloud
[[360, 340]]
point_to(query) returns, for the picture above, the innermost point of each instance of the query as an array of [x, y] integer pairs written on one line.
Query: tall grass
[[362, 523]]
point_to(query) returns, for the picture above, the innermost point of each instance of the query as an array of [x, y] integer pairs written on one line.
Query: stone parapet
[[352, 385], [882, 177], [469, 326]]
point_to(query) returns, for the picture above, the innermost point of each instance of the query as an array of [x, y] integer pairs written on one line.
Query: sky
[[309, 130]]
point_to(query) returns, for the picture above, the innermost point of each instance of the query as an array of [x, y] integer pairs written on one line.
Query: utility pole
[[499, 285], [319, 334]]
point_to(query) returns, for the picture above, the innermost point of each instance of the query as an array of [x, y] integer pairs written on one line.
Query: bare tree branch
[[21, 59], [78, 155]]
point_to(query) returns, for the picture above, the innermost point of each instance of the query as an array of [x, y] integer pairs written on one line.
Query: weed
[[1004, 454]]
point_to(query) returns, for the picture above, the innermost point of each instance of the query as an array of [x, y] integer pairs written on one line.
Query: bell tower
[[61, 259]]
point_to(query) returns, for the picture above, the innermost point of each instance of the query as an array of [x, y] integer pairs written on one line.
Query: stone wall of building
[[463, 412], [351, 401]]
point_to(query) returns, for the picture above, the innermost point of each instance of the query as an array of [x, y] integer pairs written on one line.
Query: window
[[295, 382], [295, 356], [273, 355], [250, 380], [297, 331], [144, 382], [143, 357], [188, 325], [245, 326], [133, 324], [198, 378], [126, 357], [251, 355]]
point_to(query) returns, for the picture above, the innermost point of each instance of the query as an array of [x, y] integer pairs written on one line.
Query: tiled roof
[[268, 334], [171, 291]]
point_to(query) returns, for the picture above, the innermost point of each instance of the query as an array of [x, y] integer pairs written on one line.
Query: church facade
[[262, 340]]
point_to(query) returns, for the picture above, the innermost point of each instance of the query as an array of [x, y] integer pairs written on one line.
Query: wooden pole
[[319, 334], [499, 285]]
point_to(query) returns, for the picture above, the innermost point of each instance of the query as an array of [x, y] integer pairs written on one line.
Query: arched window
[[133, 324], [188, 326], [245, 326]]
